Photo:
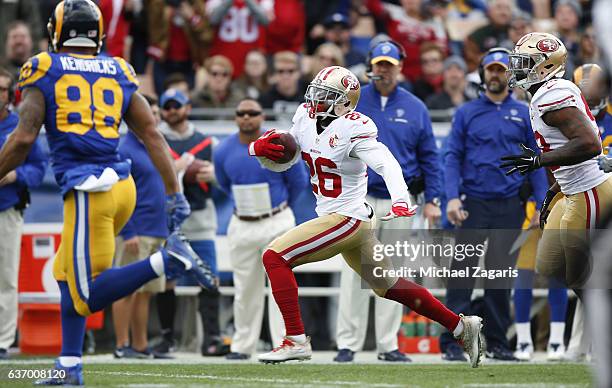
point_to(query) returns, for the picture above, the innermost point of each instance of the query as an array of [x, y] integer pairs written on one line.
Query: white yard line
[[241, 379]]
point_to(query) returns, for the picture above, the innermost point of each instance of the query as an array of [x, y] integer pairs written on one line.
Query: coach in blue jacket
[[482, 200], [404, 127]]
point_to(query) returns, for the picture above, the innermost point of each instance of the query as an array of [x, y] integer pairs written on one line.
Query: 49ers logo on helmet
[[350, 82], [547, 45]]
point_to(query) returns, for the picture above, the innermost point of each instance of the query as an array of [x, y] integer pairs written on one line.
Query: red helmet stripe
[[329, 72]]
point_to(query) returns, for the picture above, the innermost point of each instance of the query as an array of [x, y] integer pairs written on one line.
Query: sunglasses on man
[[250, 113]]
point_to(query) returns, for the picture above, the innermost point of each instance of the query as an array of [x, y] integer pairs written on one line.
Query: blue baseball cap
[[386, 51], [173, 95], [336, 18], [498, 57]]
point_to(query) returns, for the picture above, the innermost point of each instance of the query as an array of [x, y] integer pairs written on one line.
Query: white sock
[[157, 263], [300, 339], [557, 331], [523, 333], [69, 361], [458, 330]]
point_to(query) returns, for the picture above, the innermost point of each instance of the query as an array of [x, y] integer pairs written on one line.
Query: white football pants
[[247, 241], [11, 223], [354, 299]]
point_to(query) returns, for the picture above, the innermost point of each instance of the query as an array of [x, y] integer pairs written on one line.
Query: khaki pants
[[247, 241], [563, 251], [354, 301], [11, 223], [146, 247]]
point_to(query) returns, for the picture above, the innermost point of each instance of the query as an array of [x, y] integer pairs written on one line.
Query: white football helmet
[[334, 91], [537, 57]]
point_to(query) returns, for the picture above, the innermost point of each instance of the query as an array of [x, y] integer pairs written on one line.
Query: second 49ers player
[[337, 144], [568, 136]]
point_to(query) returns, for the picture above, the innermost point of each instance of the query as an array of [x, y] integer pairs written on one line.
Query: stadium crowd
[[257, 56]]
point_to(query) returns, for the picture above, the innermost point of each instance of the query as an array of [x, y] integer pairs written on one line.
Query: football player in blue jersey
[[81, 98]]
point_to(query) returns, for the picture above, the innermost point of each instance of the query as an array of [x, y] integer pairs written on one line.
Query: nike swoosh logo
[[183, 259]]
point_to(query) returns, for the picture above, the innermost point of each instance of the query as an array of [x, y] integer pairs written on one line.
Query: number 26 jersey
[[86, 97], [339, 181]]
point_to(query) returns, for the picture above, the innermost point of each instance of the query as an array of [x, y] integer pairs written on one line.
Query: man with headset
[[484, 203], [13, 199], [404, 127]]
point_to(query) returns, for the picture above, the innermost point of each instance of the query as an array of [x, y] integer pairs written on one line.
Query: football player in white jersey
[[337, 144], [568, 136]]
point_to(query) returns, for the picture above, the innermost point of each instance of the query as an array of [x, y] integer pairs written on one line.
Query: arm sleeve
[[429, 162], [216, 10], [258, 11], [378, 157], [31, 173], [296, 181], [453, 159]]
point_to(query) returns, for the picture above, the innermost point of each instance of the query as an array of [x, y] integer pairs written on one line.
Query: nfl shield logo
[[333, 141]]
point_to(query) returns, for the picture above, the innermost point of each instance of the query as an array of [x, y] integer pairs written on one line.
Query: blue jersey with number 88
[[86, 97]]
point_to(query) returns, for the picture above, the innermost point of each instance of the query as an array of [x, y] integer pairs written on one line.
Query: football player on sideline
[[568, 136], [81, 98], [338, 144]]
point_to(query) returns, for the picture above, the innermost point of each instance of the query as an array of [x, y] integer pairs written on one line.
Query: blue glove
[[178, 210]]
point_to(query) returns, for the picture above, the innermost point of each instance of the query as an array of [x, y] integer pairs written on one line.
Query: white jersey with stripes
[[339, 181], [553, 95]]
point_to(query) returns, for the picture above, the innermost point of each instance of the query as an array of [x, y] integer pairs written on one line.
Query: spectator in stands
[[494, 34], [201, 225], [432, 69], [177, 81], [254, 80], [317, 12], [14, 198], [287, 30], [567, 14], [338, 32], [139, 33], [453, 88], [240, 28], [117, 16], [588, 51], [288, 89], [179, 38], [252, 228], [404, 127], [406, 26], [520, 25], [25, 10], [219, 91], [462, 18], [140, 237], [483, 200], [368, 17], [18, 47], [327, 54]]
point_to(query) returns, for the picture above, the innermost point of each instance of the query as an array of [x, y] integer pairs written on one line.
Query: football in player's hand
[[288, 141], [192, 171]]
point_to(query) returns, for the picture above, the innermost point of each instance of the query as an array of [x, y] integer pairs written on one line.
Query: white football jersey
[[339, 181], [553, 95]]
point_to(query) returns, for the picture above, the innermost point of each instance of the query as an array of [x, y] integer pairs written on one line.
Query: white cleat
[[472, 338], [555, 352], [574, 356], [524, 351], [288, 350]]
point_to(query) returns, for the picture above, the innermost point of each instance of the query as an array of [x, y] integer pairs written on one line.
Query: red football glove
[[264, 147], [399, 209]]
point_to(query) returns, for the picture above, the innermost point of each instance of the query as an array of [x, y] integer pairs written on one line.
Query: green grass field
[[317, 375]]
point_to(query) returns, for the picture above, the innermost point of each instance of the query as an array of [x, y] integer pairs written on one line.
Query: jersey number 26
[[316, 171]]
